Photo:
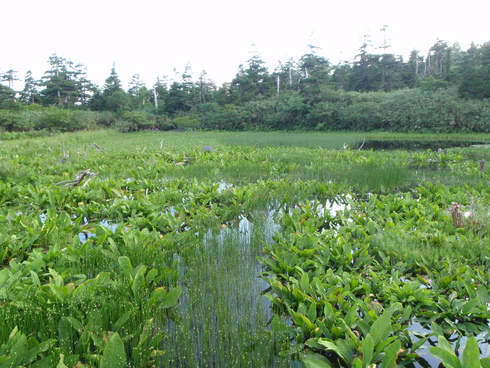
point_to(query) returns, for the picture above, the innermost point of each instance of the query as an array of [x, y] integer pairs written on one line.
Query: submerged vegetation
[[252, 249]]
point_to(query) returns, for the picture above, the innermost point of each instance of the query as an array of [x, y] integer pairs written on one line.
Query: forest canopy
[[447, 90]]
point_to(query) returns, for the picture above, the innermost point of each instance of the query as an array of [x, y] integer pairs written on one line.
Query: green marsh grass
[[223, 316]]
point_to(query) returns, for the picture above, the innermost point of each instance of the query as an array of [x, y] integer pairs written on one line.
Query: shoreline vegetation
[[267, 249]]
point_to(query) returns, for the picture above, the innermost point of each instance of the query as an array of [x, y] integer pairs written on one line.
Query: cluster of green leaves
[[352, 283], [92, 302]]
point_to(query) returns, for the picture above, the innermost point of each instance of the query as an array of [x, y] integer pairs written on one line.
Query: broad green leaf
[[76, 324], [471, 354], [65, 334], [38, 349], [371, 227], [113, 355], [48, 362], [391, 355], [61, 363], [444, 344], [121, 321], [305, 282], [469, 306], [351, 316], [381, 328], [436, 329], [312, 360], [16, 354], [485, 362], [172, 297], [151, 275], [449, 359], [35, 278], [312, 312], [331, 346], [126, 266], [357, 363], [482, 294], [139, 280], [56, 290], [367, 350], [302, 320], [381, 347]]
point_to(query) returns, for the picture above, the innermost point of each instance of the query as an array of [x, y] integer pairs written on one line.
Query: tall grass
[[223, 317]]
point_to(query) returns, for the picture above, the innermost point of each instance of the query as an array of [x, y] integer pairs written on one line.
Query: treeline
[[446, 90]]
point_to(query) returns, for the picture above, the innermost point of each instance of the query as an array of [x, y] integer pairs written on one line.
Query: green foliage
[[469, 359], [132, 121], [186, 122], [58, 119], [20, 351], [14, 121]]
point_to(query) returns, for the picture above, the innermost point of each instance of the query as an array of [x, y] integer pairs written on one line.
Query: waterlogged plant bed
[[350, 285], [175, 283]]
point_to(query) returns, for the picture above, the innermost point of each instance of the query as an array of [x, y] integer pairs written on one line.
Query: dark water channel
[[413, 145]]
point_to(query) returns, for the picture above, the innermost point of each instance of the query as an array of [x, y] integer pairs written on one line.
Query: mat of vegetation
[[244, 249]]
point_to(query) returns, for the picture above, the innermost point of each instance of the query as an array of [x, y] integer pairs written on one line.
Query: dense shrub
[[14, 121], [54, 118], [227, 117], [134, 120], [186, 122]]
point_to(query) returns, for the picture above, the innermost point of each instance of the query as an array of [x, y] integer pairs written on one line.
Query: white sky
[[152, 37]]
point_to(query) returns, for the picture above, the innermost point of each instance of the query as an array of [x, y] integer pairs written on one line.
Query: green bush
[[58, 119], [14, 121], [187, 122], [133, 121]]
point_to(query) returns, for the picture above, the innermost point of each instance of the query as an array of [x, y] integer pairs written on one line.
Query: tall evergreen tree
[[112, 83], [253, 82], [30, 93], [205, 87], [113, 97], [9, 77], [61, 83], [7, 98], [316, 72], [475, 81]]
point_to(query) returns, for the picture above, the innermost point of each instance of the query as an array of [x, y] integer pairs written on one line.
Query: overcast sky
[[152, 37]]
